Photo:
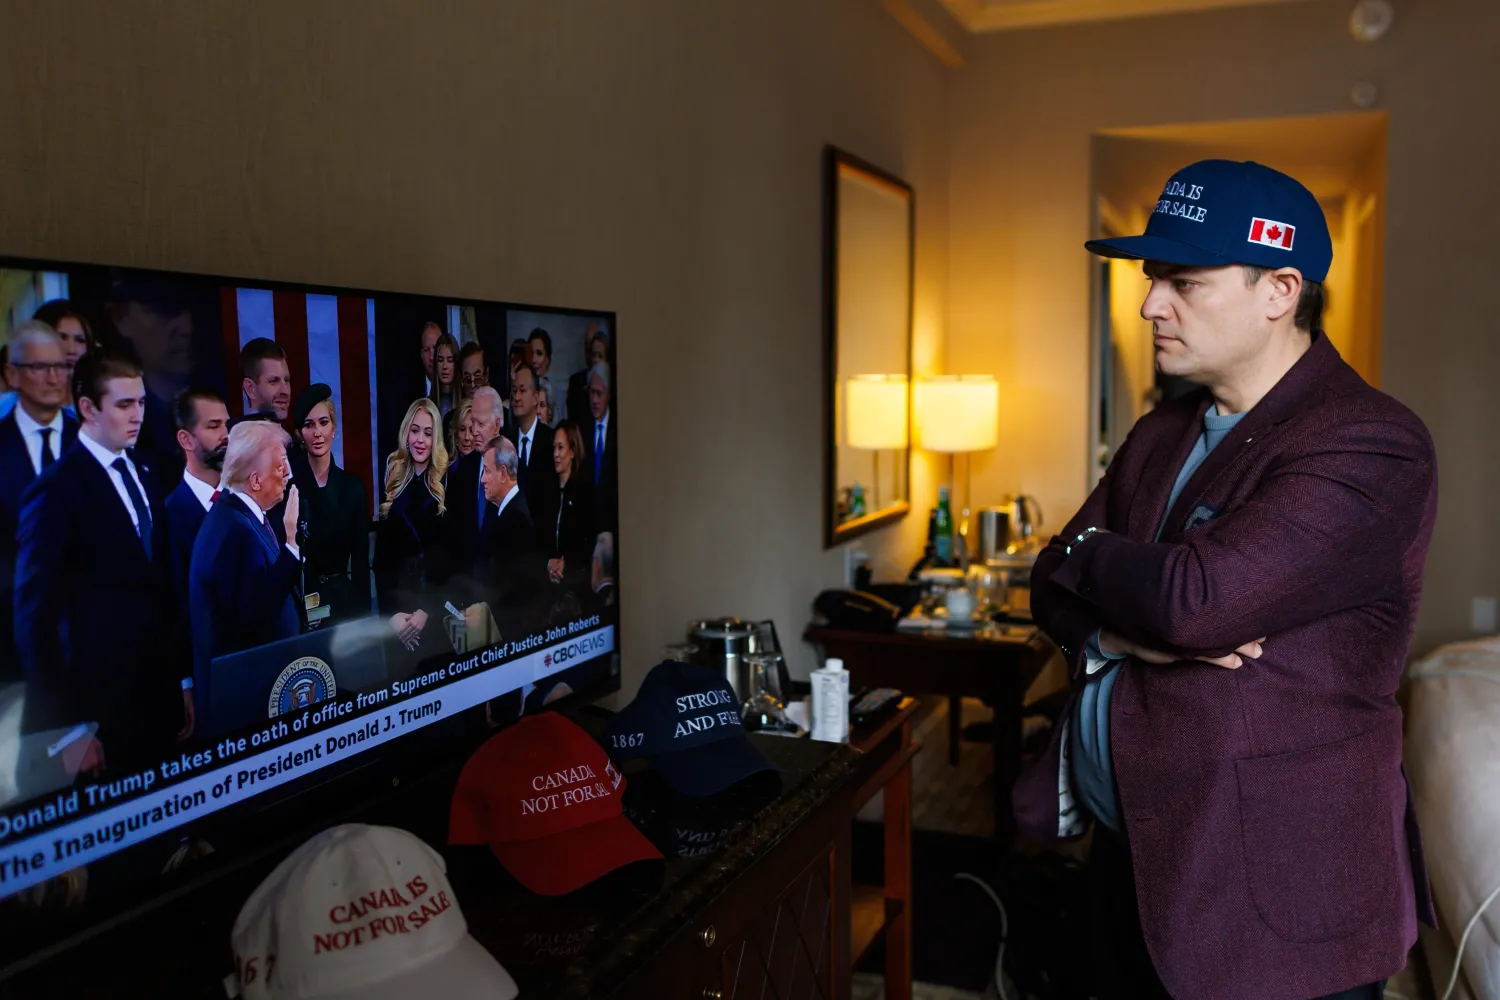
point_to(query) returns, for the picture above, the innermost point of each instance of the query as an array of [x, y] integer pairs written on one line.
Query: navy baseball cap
[[1219, 212], [686, 720]]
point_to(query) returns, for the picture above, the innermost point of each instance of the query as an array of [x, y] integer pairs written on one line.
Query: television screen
[[255, 536]]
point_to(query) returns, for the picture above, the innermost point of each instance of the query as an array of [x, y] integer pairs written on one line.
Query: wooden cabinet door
[[787, 950]]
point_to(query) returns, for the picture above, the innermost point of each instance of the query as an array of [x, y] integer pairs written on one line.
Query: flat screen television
[[184, 657]]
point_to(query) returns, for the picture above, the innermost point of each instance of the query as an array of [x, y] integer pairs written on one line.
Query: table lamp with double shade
[[876, 418], [957, 414]]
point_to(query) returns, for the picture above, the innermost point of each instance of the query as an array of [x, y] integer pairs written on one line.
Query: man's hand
[[289, 519], [85, 755], [187, 717], [1110, 642], [555, 570]]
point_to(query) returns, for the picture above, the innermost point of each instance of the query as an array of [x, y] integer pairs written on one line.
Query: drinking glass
[[682, 652]]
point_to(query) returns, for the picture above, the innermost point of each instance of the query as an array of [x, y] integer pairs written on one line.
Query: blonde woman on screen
[[410, 519]]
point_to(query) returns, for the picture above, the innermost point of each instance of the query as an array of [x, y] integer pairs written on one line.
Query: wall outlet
[[1482, 615]]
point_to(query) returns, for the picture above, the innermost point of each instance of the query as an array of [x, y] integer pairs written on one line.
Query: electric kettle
[[726, 644], [1025, 518]]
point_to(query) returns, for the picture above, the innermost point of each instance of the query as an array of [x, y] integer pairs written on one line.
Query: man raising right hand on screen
[[242, 580]]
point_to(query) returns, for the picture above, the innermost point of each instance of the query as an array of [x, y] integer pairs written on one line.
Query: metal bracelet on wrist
[[1086, 532]]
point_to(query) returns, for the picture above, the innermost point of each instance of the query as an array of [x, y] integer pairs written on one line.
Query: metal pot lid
[[722, 628]]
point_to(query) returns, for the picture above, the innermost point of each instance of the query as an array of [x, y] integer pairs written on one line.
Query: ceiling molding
[[1005, 15], [925, 31], [931, 25]]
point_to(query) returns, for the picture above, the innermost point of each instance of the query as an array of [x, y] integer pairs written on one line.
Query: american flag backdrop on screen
[[327, 338]]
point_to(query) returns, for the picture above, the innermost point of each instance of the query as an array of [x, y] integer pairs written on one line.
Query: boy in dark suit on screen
[[92, 595]]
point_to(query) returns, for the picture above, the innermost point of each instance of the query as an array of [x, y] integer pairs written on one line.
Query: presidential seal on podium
[[305, 682]]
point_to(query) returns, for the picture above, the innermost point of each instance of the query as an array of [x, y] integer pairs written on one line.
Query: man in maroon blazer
[[1236, 600]]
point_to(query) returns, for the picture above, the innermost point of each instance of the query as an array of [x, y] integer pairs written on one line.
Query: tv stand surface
[[770, 905]]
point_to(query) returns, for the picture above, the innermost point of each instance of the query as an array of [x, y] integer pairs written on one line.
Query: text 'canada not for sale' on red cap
[[546, 799]]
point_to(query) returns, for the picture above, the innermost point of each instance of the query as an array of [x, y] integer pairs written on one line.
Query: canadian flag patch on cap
[[1272, 234]]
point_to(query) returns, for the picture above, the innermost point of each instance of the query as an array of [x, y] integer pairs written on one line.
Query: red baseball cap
[[546, 799]]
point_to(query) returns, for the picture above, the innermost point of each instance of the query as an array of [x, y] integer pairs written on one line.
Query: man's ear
[[247, 386], [184, 440], [1285, 287]]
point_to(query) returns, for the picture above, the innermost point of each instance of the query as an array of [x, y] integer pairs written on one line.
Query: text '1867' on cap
[[686, 719]]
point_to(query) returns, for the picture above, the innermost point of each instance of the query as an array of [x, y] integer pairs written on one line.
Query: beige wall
[[1022, 114], [660, 158]]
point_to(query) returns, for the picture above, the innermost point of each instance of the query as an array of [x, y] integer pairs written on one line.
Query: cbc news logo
[[575, 649]]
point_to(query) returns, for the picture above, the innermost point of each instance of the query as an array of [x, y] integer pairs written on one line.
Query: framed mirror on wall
[[869, 230]]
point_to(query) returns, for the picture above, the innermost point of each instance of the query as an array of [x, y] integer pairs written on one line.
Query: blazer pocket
[[1317, 841]]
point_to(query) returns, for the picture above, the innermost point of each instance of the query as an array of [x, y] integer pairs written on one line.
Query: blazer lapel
[[1287, 397], [13, 455], [99, 484], [1243, 436], [1155, 485], [237, 504]]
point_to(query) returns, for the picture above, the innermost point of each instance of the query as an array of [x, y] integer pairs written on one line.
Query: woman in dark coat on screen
[[408, 538], [571, 525], [336, 510]]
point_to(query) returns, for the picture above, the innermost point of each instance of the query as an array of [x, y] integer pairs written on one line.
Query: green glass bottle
[[944, 526]]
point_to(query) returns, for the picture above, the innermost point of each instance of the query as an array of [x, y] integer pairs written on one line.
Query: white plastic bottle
[[830, 695]]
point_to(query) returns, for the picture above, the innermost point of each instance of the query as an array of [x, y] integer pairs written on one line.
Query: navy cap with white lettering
[[686, 719], [1220, 212]]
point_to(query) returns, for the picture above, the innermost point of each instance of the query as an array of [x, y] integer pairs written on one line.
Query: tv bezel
[[285, 815]]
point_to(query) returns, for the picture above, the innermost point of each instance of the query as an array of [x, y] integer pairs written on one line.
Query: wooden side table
[[996, 667], [885, 910]]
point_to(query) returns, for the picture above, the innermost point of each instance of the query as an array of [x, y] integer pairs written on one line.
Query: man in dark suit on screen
[[596, 349], [468, 510], [32, 436], [533, 441], [512, 570], [602, 580], [600, 444], [203, 434], [243, 580], [202, 420], [92, 595]]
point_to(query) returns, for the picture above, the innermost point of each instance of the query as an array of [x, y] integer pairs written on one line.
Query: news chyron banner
[[90, 821]]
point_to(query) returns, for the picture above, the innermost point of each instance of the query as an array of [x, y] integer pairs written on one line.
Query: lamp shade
[[875, 411], [958, 412]]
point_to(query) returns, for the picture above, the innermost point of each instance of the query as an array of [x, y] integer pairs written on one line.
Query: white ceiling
[[1003, 15]]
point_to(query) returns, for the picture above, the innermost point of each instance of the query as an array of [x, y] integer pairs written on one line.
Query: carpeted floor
[[868, 987], [955, 926]]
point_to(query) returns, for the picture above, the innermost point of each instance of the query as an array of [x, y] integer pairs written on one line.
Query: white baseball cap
[[361, 913]]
